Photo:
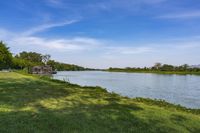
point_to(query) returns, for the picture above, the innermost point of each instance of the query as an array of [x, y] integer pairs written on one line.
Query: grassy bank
[[158, 72], [39, 105]]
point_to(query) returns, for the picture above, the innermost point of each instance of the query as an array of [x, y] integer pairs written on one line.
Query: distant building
[[42, 70]]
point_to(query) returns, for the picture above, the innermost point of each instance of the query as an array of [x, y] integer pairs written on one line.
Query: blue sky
[[104, 33]]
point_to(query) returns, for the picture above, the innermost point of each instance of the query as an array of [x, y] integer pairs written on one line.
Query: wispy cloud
[[67, 45], [77, 44], [183, 15], [5, 34], [104, 5], [47, 26], [131, 4], [127, 50], [74, 44], [87, 49]]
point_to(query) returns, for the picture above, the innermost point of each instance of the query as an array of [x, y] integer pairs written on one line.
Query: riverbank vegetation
[[160, 69], [39, 104], [26, 60]]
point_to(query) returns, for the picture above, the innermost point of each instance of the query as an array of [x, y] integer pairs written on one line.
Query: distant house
[[42, 70]]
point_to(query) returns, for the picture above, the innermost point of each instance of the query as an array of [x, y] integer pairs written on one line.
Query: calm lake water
[[178, 89]]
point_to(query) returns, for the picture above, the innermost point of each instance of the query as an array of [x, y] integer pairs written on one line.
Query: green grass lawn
[[36, 105]]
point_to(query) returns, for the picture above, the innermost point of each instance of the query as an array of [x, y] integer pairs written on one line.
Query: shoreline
[[150, 101], [158, 72]]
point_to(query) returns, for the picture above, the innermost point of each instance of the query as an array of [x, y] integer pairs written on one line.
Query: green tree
[[5, 56], [185, 67], [63, 66], [167, 67], [157, 65], [53, 64], [30, 56]]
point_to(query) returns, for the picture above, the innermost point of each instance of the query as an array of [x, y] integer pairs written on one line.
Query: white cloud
[[130, 50], [104, 5], [46, 27], [75, 44], [85, 50], [183, 15], [67, 45], [4, 34], [28, 40]]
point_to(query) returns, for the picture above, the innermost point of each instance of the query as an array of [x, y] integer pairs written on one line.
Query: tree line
[[29, 59], [159, 67]]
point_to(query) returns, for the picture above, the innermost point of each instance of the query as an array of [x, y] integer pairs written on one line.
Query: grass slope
[[32, 104]]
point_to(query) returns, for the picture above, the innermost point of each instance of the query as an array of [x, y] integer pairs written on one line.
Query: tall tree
[[157, 65], [30, 56], [5, 56], [185, 66]]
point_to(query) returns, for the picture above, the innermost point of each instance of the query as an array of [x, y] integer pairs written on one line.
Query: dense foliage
[[5, 56], [29, 59], [26, 60], [30, 56], [64, 67]]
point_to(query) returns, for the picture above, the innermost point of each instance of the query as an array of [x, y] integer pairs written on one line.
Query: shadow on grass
[[111, 118], [19, 93], [81, 110]]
